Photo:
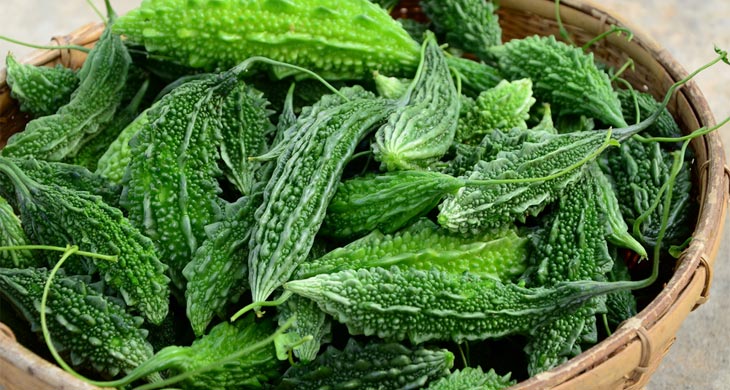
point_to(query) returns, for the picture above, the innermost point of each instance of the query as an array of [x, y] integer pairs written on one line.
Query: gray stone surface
[[700, 358]]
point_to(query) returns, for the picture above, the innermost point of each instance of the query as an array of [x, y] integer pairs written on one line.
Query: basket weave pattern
[[627, 358]]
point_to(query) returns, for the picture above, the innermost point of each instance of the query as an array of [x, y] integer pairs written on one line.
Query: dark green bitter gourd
[[216, 275], [309, 322], [501, 253], [59, 216], [301, 187], [373, 366], [12, 234], [95, 330], [563, 76], [386, 202], [621, 305], [470, 378], [92, 106], [74, 177], [113, 163], [420, 305], [423, 127], [217, 359], [40, 90], [170, 185], [469, 25]]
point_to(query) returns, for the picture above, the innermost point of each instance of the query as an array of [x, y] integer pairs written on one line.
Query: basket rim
[[695, 262]]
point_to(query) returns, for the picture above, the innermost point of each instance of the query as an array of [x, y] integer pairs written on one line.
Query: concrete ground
[[700, 358]]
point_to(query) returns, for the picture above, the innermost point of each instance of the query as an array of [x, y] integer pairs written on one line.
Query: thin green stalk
[[697, 133], [563, 31], [45, 47], [97, 11], [259, 304], [628, 64], [614, 29], [59, 249]]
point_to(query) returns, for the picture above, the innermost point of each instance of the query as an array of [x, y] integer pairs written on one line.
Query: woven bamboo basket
[[627, 358]]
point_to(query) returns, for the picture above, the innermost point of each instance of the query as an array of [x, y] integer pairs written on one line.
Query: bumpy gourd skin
[[216, 274], [563, 75], [40, 90], [170, 187], [310, 321], [420, 305], [225, 339], [59, 216], [113, 163], [470, 378], [504, 107], [72, 176], [93, 104], [301, 187], [476, 208], [12, 234], [244, 124], [469, 25], [96, 331], [573, 247], [500, 253], [423, 127], [386, 202], [373, 366], [333, 38]]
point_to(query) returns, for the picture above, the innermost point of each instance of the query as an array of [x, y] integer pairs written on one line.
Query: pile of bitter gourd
[[310, 194]]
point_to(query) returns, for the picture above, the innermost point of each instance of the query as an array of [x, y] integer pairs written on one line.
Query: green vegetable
[[12, 234], [475, 208], [74, 177], [505, 106], [301, 186], [501, 254], [216, 274], [373, 366], [469, 25], [664, 126], [97, 331], [346, 40], [475, 77], [310, 321], [470, 378], [92, 106], [59, 216], [621, 305], [113, 163], [225, 339], [170, 186], [384, 202], [244, 124], [420, 305], [422, 128], [40, 90], [562, 75]]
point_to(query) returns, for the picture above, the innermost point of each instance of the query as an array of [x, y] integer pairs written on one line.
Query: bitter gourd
[[335, 39], [59, 216], [470, 378], [40, 90], [248, 370], [620, 306], [244, 124], [386, 202], [97, 331], [475, 208], [310, 321], [113, 163], [12, 234], [500, 253], [170, 187], [423, 127], [71, 176], [505, 106], [562, 75], [469, 25], [216, 274], [373, 366], [301, 187], [93, 104], [421, 305]]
